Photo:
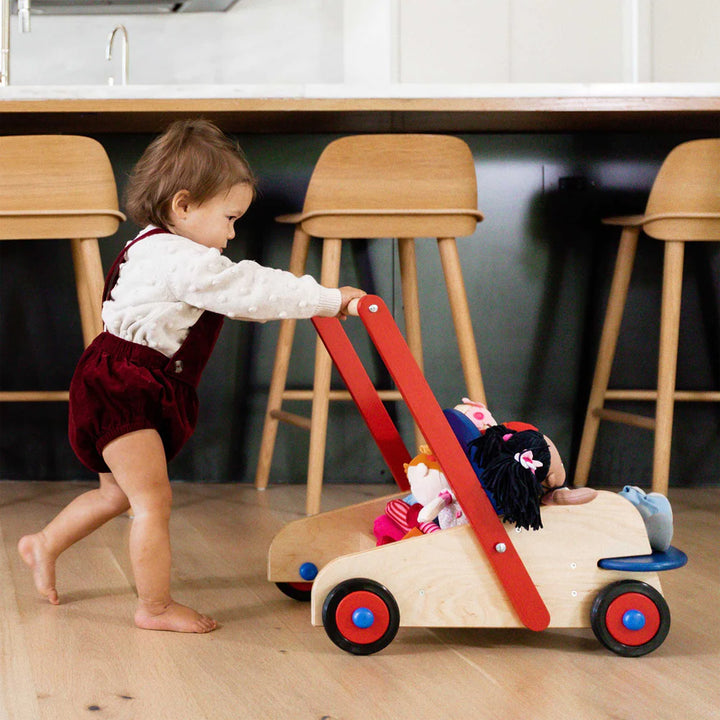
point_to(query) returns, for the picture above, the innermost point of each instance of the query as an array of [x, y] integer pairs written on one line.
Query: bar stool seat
[[377, 186], [683, 206], [60, 187]]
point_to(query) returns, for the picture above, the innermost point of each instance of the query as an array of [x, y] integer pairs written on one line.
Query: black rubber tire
[[620, 597], [345, 635], [299, 591]]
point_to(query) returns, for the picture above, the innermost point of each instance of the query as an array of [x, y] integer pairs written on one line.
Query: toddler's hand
[[348, 293]]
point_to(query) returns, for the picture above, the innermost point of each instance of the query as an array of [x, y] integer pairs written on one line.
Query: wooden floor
[[86, 659]]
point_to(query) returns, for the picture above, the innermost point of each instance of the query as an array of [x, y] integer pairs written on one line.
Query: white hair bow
[[527, 461]]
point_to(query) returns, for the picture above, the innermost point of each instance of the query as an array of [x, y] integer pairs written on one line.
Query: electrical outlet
[[563, 178], [551, 175]]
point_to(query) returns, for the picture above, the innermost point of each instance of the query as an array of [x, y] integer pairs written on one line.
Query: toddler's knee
[[156, 503], [116, 499]]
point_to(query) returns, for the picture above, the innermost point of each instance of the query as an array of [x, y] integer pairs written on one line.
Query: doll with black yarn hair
[[518, 467]]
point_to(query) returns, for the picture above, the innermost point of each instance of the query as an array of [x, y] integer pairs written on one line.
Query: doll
[[430, 488], [400, 520], [477, 413], [557, 494], [519, 467], [515, 466], [409, 516]]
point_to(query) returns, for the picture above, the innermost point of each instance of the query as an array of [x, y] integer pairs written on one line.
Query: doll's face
[[426, 478], [556, 475]]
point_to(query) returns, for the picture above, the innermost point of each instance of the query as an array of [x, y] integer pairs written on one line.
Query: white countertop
[[336, 91]]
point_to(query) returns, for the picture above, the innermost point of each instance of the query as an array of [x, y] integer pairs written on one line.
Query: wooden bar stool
[[377, 186], [60, 187], [684, 206]]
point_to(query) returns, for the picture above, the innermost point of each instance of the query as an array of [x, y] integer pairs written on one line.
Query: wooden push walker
[[590, 565]]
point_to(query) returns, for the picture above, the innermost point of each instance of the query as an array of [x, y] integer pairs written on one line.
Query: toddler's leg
[[85, 513], [140, 469]]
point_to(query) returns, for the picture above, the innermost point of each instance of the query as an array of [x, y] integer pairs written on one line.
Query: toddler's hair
[[192, 155]]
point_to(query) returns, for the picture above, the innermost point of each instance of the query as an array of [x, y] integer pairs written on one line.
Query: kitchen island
[[545, 108]]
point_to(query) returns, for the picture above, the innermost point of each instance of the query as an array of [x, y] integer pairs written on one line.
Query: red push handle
[[413, 386]]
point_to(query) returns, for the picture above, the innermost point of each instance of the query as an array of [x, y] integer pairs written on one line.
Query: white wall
[[256, 41], [686, 38], [384, 41], [560, 41]]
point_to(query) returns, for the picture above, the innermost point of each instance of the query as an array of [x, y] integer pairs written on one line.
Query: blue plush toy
[[656, 512]]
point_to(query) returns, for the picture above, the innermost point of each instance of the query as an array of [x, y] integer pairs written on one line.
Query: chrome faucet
[[125, 48], [24, 18], [24, 15]]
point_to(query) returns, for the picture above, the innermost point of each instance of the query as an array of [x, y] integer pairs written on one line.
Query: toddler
[[133, 400]]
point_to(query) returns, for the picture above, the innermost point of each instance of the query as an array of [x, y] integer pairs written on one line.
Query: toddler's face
[[211, 223]]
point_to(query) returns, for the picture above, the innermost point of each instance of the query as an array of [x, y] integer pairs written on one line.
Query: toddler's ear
[[180, 204]]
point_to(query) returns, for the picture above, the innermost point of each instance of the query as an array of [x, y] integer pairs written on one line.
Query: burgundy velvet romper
[[120, 386]]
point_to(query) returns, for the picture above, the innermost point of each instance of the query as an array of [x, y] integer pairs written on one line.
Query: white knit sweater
[[167, 281]]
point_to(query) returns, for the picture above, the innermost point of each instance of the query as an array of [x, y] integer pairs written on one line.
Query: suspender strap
[[112, 276], [188, 363], [191, 357]]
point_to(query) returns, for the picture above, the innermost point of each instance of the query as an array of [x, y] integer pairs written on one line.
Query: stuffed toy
[[477, 413], [655, 510], [514, 466], [519, 467], [431, 505], [430, 488], [400, 520]]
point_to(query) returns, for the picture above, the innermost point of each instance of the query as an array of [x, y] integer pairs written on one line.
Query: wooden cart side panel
[[324, 537], [445, 580]]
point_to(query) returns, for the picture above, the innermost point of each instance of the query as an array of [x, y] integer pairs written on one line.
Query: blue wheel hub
[[308, 571], [633, 620], [363, 618]]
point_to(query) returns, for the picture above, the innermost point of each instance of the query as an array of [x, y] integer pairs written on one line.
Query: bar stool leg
[[298, 260], [329, 277], [460, 309], [411, 307], [606, 352], [667, 363], [89, 283]]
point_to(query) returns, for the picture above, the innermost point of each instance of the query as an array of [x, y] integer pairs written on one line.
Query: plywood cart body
[[590, 565]]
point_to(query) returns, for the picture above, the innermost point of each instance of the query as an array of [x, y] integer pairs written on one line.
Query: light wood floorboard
[[85, 658]]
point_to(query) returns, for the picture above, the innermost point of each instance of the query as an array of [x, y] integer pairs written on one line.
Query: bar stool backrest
[[684, 202], [375, 186], [56, 186]]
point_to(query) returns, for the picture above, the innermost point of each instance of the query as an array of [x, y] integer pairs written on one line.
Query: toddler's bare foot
[[33, 550], [173, 617]]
